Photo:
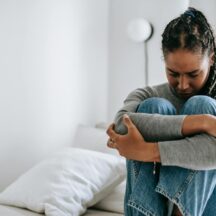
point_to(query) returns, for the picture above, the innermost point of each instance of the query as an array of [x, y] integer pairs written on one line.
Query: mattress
[[13, 211]]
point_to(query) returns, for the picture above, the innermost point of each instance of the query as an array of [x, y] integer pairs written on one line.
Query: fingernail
[[126, 116]]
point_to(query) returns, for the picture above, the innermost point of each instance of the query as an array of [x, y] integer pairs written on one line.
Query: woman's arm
[[193, 152], [194, 124], [132, 145], [167, 135], [154, 127], [197, 152]]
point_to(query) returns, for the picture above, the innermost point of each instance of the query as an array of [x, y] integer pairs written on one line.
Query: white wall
[[53, 59], [208, 8], [61, 65], [126, 58]]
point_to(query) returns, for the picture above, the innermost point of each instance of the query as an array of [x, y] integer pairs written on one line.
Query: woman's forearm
[[196, 152], [155, 152], [150, 152], [153, 127], [194, 124]]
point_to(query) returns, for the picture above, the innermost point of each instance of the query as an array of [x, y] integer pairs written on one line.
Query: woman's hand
[[132, 145]]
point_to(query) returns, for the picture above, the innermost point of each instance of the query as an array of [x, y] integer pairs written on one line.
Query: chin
[[185, 96]]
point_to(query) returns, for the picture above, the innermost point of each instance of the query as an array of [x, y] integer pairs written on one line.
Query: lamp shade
[[139, 30]]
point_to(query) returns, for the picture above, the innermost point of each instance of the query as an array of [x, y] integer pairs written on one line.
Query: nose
[[183, 83]]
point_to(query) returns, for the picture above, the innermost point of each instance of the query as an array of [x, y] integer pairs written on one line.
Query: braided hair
[[192, 31]]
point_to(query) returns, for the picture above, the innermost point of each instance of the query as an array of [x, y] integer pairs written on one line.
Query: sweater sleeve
[[153, 127], [196, 152]]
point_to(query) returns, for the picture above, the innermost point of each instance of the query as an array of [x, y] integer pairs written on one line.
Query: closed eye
[[193, 75], [174, 74]]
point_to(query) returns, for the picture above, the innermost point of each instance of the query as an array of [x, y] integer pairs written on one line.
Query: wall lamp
[[140, 30]]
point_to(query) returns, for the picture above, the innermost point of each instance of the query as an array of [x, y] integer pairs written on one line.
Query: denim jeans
[[193, 191]]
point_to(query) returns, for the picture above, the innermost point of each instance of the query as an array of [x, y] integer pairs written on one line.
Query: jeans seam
[[183, 211], [139, 208], [185, 184], [176, 199], [135, 169]]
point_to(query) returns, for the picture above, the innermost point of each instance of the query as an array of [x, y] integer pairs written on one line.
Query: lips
[[185, 94]]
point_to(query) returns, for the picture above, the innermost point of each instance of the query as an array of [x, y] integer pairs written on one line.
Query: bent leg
[[210, 209], [199, 104], [190, 190], [205, 105], [140, 196]]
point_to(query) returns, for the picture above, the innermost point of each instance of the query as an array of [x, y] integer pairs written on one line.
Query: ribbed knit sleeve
[[195, 152], [153, 127]]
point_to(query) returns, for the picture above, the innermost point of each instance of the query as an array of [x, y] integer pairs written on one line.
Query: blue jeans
[[193, 191]]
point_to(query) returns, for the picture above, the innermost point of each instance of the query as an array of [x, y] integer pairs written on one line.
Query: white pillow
[[114, 202], [92, 138], [66, 183]]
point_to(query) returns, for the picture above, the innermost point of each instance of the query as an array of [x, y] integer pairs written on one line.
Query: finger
[[127, 121], [108, 143], [111, 144], [109, 128], [110, 131]]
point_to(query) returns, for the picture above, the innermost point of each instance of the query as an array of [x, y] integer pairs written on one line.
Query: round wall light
[[139, 30]]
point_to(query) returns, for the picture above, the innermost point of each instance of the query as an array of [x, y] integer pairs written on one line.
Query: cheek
[[198, 83], [172, 81]]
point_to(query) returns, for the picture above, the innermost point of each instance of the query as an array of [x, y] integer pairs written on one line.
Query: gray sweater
[[195, 152]]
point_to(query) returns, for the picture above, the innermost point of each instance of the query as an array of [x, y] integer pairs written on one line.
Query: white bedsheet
[[12, 211]]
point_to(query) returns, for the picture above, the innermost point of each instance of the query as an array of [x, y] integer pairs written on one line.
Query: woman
[[167, 132]]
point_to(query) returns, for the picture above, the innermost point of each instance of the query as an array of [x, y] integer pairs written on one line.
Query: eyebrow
[[189, 72]]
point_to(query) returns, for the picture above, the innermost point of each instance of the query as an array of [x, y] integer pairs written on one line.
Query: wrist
[[206, 119], [156, 152], [151, 152], [194, 124]]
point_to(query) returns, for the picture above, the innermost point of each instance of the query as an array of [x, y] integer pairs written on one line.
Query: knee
[[156, 105], [200, 104]]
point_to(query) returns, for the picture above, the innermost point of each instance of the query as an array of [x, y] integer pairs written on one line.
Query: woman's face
[[187, 71]]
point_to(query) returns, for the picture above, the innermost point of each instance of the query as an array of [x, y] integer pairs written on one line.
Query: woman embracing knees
[[167, 132]]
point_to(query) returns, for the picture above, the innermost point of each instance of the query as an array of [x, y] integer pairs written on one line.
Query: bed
[[13, 211], [65, 183]]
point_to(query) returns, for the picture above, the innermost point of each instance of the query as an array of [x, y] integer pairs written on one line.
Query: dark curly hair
[[192, 31]]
